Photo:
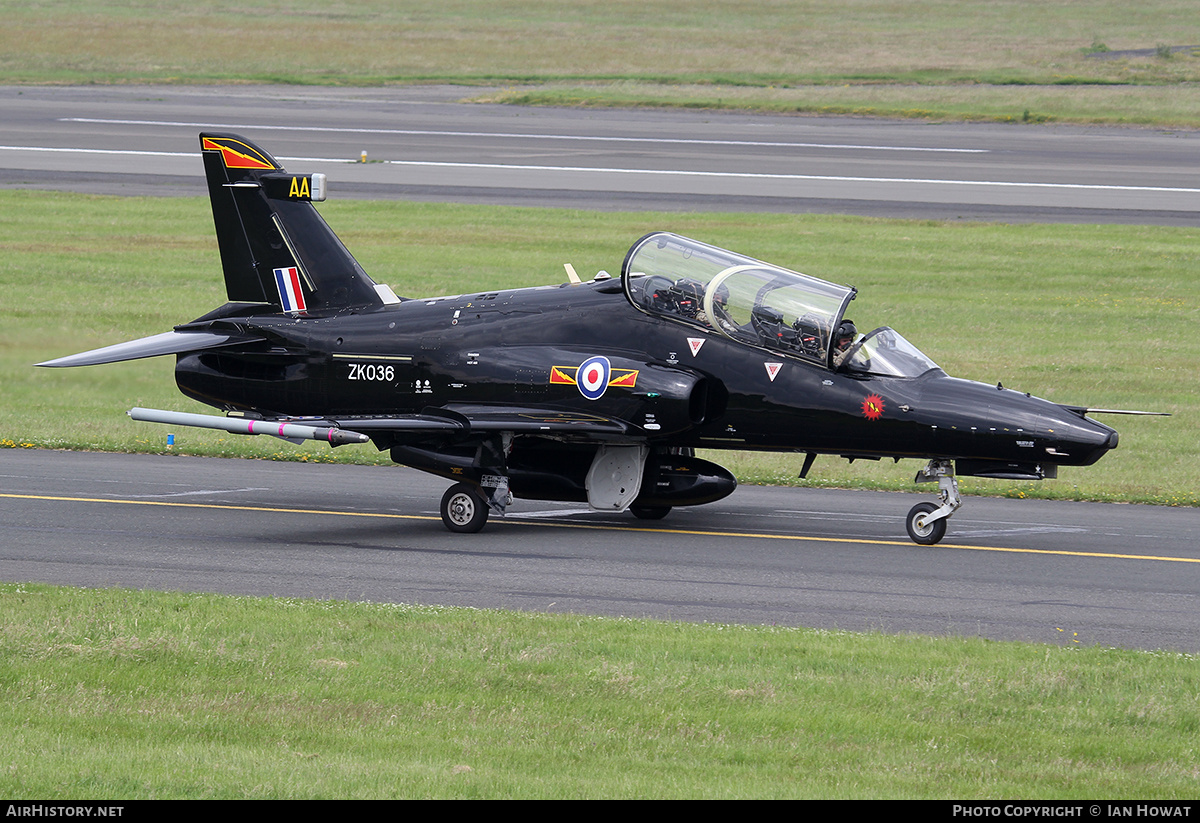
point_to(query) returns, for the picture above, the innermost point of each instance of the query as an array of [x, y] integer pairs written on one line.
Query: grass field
[[937, 59], [126, 694], [1095, 315]]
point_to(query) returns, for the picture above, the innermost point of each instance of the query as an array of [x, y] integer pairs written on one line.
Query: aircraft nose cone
[[1082, 439], [976, 421]]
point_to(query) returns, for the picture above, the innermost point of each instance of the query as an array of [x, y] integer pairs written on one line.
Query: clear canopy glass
[[885, 351], [744, 299]]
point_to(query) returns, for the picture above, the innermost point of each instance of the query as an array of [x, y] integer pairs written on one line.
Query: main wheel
[[924, 531], [650, 512], [463, 510]]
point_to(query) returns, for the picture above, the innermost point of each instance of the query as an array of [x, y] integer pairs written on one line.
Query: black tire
[[463, 510], [650, 512], [928, 533]]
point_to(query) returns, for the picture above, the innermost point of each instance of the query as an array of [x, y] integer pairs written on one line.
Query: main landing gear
[[463, 509], [465, 506], [926, 522]]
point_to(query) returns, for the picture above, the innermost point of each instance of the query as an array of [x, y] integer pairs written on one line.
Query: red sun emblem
[[872, 407]]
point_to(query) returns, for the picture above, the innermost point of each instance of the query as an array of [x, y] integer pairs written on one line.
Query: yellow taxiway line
[[559, 524]]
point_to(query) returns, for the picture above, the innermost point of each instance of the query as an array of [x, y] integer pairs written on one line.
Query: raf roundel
[[593, 377]]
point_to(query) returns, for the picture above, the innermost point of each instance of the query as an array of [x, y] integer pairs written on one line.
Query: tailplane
[[275, 247]]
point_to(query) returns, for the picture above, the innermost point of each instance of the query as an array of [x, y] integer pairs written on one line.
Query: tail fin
[[275, 247]]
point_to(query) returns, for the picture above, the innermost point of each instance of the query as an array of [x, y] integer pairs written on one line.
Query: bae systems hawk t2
[[598, 392]]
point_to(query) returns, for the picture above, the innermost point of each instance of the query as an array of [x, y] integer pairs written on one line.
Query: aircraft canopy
[[744, 299], [884, 351]]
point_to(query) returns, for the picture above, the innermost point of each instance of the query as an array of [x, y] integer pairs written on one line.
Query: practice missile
[[292, 432]]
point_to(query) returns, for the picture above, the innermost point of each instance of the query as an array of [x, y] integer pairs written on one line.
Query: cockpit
[[758, 304]]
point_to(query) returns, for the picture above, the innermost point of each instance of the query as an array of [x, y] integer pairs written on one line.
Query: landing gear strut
[[926, 522]]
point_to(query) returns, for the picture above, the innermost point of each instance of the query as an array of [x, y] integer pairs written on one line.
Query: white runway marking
[[198, 492], [964, 533], [658, 172], [69, 150], [516, 135], [552, 513], [822, 177]]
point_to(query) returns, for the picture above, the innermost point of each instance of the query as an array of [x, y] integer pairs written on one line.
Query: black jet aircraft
[[595, 391]]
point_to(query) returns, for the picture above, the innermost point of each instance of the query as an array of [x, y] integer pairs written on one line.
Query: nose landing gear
[[926, 522]]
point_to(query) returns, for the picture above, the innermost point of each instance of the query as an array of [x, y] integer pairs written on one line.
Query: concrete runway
[[425, 145], [1008, 569], [1031, 570]]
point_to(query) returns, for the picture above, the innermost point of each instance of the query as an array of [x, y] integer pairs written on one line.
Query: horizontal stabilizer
[[172, 342]]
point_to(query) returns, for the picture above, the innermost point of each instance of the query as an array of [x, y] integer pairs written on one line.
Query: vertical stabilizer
[[275, 247]]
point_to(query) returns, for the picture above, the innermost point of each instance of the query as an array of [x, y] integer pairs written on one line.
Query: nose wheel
[[921, 528], [926, 523]]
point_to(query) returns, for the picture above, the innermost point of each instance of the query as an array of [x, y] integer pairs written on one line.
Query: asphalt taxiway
[[1114, 575]]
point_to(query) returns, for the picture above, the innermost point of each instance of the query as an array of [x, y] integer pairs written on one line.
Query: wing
[[455, 423], [468, 419]]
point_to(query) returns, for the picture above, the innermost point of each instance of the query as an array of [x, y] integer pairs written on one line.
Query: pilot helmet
[[846, 333], [721, 296]]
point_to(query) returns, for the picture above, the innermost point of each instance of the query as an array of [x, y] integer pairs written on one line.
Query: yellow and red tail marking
[[237, 155]]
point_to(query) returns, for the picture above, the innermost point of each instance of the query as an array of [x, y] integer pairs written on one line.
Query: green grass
[[1090, 315], [126, 694], [938, 59], [1166, 105]]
